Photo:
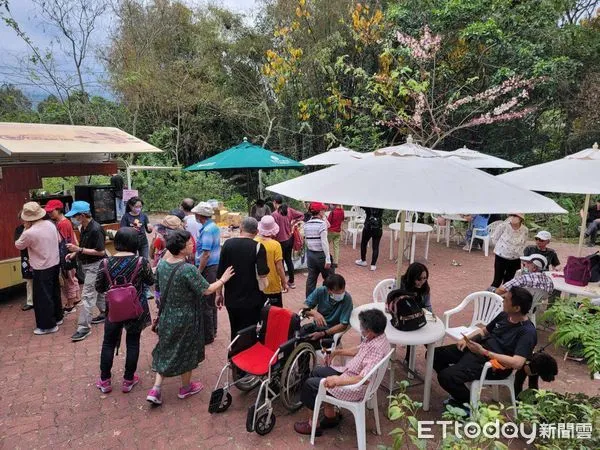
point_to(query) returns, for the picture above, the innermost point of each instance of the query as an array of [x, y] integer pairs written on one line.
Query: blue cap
[[78, 207]]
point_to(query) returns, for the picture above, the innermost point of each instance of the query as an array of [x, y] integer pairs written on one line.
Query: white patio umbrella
[[392, 180], [574, 174], [477, 160], [337, 155]]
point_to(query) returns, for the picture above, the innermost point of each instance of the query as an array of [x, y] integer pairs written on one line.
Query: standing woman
[[135, 218], [286, 217], [180, 346], [124, 266], [373, 230], [510, 238]]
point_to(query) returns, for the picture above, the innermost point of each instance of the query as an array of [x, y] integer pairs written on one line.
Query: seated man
[[542, 239], [532, 275], [509, 339], [373, 348], [592, 222], [333, 309]]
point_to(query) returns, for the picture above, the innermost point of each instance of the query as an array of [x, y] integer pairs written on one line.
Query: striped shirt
[[537, 280], [315, 233]]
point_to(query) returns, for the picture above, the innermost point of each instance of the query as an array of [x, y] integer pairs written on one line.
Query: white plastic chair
[[539, 297], [487, 305], [360, 215], [485, 238], [437, 228], [476, 386], [354, 229], [383, 288], [374, 379]]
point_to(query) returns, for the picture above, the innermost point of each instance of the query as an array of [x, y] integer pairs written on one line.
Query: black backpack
[[406, 311], [595, 266]]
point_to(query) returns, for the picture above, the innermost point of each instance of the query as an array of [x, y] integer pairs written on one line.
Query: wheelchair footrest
[[250, 419], [216, 397]]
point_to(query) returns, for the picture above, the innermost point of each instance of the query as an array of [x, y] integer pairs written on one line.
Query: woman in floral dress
[[180, 346]]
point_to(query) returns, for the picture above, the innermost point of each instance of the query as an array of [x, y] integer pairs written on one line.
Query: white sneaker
[[40, 331], [360, 262], [60, 322], [373, 268]]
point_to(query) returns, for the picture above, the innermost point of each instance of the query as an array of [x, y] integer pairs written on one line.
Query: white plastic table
[[449, 219], [429, 335], [592, 290], [413, 229]]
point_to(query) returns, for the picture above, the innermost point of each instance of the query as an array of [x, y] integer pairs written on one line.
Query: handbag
[[163, 297], [595, 267], [578, 271], [407, 314], [122, 298], [263, 282], [297, 245]]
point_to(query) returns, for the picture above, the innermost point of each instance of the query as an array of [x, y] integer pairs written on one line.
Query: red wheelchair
[[271, 355]]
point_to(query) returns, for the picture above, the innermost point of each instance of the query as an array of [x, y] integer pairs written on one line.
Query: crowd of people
[[194, 275]]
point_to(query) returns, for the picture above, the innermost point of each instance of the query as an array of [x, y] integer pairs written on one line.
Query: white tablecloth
[[413, 229], [592, 290]]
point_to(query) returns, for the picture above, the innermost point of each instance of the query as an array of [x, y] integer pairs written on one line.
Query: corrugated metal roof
[[17, 139]]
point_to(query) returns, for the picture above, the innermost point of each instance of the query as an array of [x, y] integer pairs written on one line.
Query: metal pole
[[586, 206], [400, 247], [128, 177]]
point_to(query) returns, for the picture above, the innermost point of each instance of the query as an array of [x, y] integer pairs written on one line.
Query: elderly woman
[[373, 348], [180, 346], [510, 238]]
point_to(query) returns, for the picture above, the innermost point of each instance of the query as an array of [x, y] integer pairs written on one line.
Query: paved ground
[[48, 398]]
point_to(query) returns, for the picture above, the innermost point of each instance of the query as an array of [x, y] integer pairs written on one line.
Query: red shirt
[[65, 229], [285, 223], [335, 219]]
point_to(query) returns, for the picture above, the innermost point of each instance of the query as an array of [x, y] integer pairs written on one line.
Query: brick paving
[[48, 398]]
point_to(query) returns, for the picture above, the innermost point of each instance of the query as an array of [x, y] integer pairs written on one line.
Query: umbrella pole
[[400, 248], [249, 188], [586, 206]]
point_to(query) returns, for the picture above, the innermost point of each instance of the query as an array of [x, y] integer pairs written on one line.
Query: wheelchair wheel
[[296, 370], [263, 427], [243, 382]]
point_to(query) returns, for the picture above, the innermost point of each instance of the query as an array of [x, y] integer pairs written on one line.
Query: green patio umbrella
[[245, 156]]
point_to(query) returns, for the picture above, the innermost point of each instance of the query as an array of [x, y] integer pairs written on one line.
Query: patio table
[[449, 219], [413, 229], [592, 290], [428, 335]]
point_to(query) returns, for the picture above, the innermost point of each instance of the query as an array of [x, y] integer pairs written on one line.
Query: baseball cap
[[539, 260], [317, 206], [203, 209], [53, 204], [544, 236], [78, 207]]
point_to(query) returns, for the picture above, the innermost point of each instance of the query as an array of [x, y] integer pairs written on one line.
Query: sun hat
[[267, 226], [203, 209], [78, 207], [539, 260], [172, 222], [518, 214], [543, 236], [32, 211], [53, 204], [317, 207]]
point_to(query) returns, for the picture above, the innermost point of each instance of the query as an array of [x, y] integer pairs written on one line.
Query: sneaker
[[80, 335], [26, 307], [42, 331], [70, 310], [193, 388], [291, 285], [128, 385], [360, 262], [373, 268], [154, 397], [60, 322], [104, 386], [99, 318]]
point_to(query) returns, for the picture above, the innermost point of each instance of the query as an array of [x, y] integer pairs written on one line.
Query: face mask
[[75, 222], [137, 210], [338, 297], [524, 270], [363, 336]]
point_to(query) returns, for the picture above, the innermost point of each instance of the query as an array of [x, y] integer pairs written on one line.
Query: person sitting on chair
[[542, 239], [540, 365], [330, 307], [532, 275], [373, 348], [509, 339]]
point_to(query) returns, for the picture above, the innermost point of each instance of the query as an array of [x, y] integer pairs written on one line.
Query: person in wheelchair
[[330, 307], [373, 348]]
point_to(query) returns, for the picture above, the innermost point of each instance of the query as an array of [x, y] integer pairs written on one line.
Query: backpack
[[407, 314], [578, 271], [122, 299], [595, 267], [65, 264]]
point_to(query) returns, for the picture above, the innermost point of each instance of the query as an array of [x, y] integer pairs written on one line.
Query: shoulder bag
[[163, 297]]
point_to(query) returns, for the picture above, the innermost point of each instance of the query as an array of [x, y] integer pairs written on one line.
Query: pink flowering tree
[[437, 107]]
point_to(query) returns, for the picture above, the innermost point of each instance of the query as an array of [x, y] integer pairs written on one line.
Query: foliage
[[545, 407], [577, 323]]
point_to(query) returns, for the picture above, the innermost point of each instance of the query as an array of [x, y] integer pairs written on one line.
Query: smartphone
[[466, 337]]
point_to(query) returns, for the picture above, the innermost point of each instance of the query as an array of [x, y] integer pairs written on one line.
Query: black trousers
[[310, 389], [315, 261], [374, 234], [287, 247], [504, 270], [112, 338], [454, 368], [275, 299], [210, 309], [47, 304], [240, 318]]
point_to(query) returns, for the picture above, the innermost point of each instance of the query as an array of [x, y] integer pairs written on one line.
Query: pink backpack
[[122, 299], [578, 271]]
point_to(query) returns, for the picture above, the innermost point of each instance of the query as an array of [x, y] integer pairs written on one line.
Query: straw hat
[[172, 222], [32, 211]]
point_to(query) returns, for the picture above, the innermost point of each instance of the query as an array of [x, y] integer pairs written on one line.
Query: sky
[[14, 49]]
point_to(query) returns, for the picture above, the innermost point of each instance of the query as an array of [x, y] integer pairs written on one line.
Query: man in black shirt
[[542, 239], [89, 252], [592, 222], [243, 298], [509, 339], [117, 183]]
